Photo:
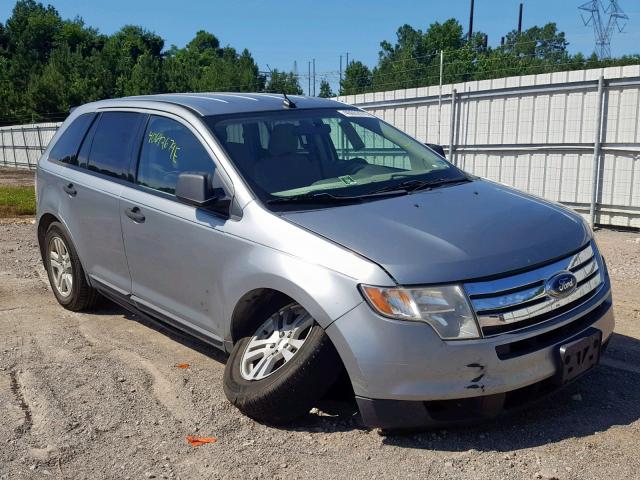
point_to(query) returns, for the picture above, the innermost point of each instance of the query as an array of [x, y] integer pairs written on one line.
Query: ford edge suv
[[306, 238]]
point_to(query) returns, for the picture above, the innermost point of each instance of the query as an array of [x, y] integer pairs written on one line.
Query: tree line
[[414, 59], [49, 64]]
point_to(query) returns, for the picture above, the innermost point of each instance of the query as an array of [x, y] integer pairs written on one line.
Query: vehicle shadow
[[109, 308], [607, 397]]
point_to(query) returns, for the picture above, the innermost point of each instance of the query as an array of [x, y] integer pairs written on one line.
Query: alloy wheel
[[61, 267], [275, 343]]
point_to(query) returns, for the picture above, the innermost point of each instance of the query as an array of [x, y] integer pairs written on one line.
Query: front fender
[[325, 294]]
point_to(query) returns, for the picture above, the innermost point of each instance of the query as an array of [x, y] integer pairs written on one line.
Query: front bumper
[[405, 376]]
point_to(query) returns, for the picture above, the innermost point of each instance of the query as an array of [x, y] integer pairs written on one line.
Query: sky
[[279, 32]]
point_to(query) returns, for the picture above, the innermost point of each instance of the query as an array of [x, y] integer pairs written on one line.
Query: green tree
[[357, 79], [146, 76], [284, 82], [122, 52], [325, 89]]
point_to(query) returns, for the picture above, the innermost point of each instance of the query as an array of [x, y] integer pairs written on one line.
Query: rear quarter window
[[112, 143], [65, 150]]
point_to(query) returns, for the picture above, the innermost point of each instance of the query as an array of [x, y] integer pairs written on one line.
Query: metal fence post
[[39, 142], [597, 153], [13, 146], [26, 147], [39, 139], [452, 126], [4, 149]]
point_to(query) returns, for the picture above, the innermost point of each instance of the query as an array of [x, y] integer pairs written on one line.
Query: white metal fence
[[536, 133], [21, 145], [539, 133]]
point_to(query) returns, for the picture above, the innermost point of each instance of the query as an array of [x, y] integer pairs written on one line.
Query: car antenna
[[288, 103]]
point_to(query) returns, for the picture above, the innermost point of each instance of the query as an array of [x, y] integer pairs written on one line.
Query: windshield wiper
[[415, 185], [325, 197]]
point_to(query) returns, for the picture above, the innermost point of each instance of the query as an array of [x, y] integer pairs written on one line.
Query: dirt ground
[[16, 177], [98, 395]]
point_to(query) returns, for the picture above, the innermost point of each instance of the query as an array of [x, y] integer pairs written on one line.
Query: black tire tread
[[84, 296]]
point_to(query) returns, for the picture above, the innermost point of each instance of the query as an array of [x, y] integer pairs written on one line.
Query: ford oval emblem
[[561, 284]]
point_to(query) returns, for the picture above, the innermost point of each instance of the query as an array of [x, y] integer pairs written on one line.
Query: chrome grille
[[516, 301]]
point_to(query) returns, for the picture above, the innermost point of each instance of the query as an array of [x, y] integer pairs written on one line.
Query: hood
[[461, 232]]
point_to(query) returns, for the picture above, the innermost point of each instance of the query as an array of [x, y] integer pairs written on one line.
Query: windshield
[[316, 155]]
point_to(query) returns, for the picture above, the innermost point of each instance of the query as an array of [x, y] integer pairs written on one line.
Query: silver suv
[[308, 238]]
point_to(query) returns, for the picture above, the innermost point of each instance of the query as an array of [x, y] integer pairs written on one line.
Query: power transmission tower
[[604, 21]]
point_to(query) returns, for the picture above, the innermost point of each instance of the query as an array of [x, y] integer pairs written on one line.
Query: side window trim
[[87, 142], [136, 148]]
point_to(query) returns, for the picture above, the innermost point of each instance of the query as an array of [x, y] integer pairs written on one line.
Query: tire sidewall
[[56, 230]]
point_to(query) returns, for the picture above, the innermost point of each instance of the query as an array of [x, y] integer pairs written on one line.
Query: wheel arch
[[247, 306], [44, 222], [43, 225]]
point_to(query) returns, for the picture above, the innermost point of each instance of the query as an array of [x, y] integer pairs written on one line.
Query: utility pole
[[347, 60], [309, 78], [440, 93], [340, 84], [314, 77], [520, 20], [470, 21]]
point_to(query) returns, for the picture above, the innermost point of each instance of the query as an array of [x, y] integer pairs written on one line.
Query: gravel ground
[[98, 395]]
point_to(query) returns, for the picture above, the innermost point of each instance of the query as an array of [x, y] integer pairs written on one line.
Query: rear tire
[[290, 390], [66, 275]]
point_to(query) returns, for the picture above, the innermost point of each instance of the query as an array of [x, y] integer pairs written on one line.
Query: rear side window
[[66, 148], [112, 143], [168, 149]]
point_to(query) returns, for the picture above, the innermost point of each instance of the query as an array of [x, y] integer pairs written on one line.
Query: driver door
[[175, 251]]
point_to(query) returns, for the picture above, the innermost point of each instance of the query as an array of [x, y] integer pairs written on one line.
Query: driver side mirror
[[194, 188]]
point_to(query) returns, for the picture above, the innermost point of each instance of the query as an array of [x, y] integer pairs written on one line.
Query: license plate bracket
[[579, 355]]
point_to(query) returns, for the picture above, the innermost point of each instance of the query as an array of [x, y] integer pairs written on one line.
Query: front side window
[[66, 148], [113, 142], [343, 153], [169, 149]]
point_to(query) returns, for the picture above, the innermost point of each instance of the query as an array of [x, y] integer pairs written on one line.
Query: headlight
[[445, 308]]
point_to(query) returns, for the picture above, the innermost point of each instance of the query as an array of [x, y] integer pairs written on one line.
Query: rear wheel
[[278, 372], [66, 276]]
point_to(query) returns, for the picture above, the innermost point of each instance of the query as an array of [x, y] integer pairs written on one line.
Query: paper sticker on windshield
[[347, 180], [355, 113]]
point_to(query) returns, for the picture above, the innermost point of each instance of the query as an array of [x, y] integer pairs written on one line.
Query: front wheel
[[276, 374]]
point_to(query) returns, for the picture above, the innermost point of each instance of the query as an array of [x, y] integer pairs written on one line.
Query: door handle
[[70, 189], [135, 214]]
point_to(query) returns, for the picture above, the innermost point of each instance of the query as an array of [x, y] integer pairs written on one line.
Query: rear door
[[175, 251], [92, 190]]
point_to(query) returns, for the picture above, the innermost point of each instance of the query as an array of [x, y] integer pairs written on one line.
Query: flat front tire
[[278, 372]]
